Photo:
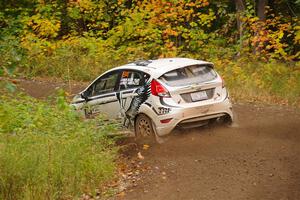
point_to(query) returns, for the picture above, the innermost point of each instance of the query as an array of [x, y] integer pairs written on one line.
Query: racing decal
[[135, 90], [90, 110], [79, 101], [101, 97], [163, 110], [95, 98], [165, 104], [140, 95]]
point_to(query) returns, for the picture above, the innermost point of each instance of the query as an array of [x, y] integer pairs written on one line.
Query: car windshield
[[189, 75]]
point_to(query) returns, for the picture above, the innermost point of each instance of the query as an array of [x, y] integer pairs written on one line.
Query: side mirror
[[84, 96]]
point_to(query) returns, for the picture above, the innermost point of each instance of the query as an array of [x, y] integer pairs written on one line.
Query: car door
[[130, 94], [102, 96]]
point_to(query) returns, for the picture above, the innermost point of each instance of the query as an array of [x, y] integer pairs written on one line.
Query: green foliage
[[81, 39], [273, 38], [129, 30], [49, 152], [11, 55], [252, 80]]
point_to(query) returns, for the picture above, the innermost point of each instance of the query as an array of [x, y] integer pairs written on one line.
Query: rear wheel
[[143, 127], [227, 120], [224, 120]]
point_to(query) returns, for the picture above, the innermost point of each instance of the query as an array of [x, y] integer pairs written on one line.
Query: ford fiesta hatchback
[[152, 97]]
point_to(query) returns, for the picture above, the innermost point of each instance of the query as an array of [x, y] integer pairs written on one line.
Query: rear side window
[[189, 75], [132, 79]]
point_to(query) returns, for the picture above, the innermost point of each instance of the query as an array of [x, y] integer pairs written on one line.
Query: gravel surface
[[257, 158]]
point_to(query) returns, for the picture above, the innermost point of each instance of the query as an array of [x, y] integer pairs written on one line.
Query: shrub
[[272, 82], [49, 152]]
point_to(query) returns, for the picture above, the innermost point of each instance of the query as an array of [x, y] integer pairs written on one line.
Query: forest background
[[254, 43], [49, 152]]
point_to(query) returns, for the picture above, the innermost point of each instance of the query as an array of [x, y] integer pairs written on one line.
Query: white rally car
[[152, 97]]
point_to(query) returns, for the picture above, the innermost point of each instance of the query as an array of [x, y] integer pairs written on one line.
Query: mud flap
[[158, 139]]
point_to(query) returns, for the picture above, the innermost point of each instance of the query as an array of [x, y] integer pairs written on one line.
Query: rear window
[[189, 75]]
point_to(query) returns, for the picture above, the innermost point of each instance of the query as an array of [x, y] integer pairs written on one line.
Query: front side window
[[105, 84]]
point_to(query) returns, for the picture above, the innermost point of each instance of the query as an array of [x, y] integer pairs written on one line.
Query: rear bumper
[[183, 116]]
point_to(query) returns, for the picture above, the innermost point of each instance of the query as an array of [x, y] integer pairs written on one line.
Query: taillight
[[158, 90]]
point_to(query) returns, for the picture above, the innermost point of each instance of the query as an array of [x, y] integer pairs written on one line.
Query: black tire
[[143, 128], [227, 120], [224, 120]]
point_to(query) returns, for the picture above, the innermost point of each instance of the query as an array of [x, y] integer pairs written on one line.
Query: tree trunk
[[64, 28], [261, 9], [261, 13], [240, 9], [240, 6]]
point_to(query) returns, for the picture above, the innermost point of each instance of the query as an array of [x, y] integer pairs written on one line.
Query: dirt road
[[259, 158]]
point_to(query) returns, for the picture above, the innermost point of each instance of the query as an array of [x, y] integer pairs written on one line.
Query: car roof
[[158, 67]]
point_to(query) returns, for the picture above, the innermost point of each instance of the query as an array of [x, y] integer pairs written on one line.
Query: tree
[[240, 9], [261, 9]]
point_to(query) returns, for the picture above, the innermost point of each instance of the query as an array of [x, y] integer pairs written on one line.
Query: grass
[[49, 152]]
